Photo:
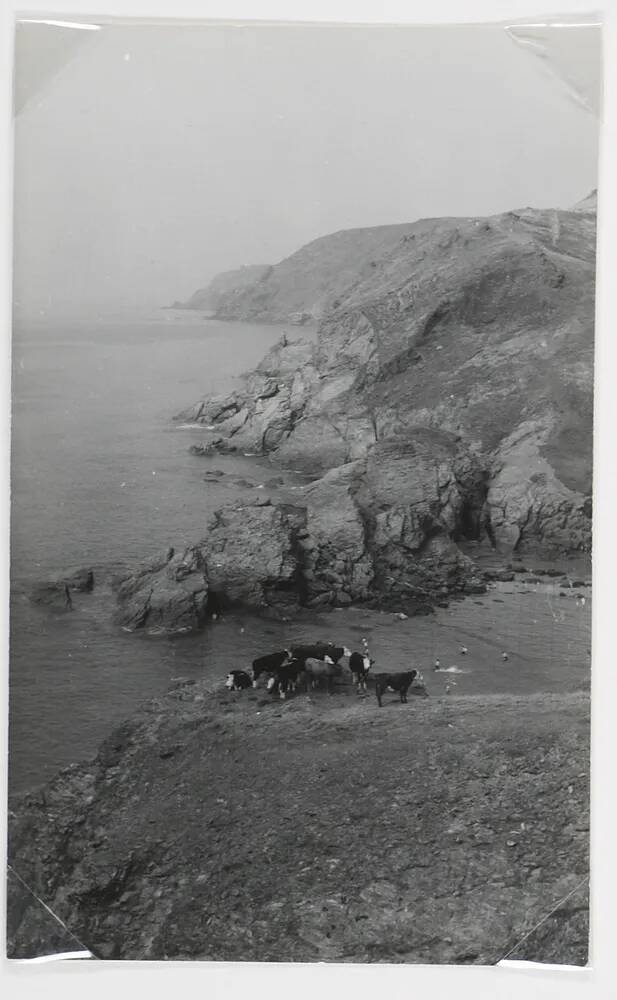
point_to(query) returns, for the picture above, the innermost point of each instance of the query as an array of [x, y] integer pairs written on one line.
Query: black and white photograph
[[302, 398]]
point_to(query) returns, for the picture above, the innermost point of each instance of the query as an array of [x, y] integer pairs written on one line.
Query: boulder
[[79, 579], [168, 592], [253, 555], [54, 594], [413, 496], [530, 508], [218, 446], [336, 561]]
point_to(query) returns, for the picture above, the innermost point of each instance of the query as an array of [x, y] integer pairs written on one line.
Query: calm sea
[[101, 474]]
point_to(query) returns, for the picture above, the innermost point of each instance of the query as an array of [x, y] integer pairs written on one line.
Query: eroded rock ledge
[[377, 529]]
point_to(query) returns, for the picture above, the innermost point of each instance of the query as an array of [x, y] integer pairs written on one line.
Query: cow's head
[[346, 651], [229, 683], [328, 659], [271, 683]]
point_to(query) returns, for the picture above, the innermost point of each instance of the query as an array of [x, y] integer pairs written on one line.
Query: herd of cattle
[[312, 665]]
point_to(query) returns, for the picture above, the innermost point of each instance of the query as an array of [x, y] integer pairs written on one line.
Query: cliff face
[[478, 332], [305, 286]]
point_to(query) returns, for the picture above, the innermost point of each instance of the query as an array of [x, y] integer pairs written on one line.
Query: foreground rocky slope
[[447, 401], [186, 838]]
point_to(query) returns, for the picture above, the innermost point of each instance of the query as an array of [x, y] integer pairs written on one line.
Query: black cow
[[237, 680], [360, 664], [396, 682], [285, 677], [269, 664], [318, 650]]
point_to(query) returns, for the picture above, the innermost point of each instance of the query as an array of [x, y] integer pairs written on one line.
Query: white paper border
[[65, 978]]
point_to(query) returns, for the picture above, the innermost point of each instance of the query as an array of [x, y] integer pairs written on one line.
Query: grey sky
[[156, 156]]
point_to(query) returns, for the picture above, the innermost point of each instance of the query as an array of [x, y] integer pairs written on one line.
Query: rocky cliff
[[305, 286], [225, 287], [455, 357]]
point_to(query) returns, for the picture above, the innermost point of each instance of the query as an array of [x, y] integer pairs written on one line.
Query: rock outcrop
[[224, 287], [380, 529], [168, 592], [252, 553], [478, 328], [54, 594]]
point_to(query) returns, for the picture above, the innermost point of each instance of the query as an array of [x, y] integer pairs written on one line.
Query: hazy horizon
[[150, 158]]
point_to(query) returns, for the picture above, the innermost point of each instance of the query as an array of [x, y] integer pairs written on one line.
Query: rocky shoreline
[[445, 408]]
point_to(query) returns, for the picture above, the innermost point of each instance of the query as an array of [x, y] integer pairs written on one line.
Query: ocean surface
[[101, 474]]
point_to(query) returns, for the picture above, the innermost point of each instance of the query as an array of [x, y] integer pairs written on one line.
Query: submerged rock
[[216, 447], [55, 593], [79, 579], [52, 595]]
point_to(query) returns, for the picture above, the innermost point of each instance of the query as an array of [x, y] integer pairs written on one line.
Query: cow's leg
[[378, 693]]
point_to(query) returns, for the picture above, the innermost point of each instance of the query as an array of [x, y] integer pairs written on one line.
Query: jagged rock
[[413, 502], [218, 446], [79, 579], [168, 592], [51, 595], [252, 553], [501, 575], [530, 507], [336, 560]]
